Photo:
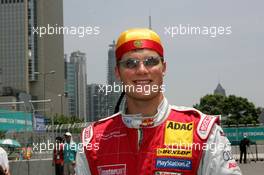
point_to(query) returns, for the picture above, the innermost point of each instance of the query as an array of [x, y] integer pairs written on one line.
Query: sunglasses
[[132, 63]]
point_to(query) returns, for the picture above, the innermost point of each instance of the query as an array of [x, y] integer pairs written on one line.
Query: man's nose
[[141, 69]]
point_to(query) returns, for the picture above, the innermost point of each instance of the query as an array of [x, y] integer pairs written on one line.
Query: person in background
[[58, 156], [69, 155], [4, 165], [27, 152], [244, 144]]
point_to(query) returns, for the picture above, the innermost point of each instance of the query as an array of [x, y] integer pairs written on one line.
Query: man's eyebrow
[[148, 56]]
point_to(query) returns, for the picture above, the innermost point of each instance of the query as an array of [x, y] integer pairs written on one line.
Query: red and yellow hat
[[138, 38]]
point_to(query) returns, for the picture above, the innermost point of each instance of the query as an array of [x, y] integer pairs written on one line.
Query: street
[[252, 168]]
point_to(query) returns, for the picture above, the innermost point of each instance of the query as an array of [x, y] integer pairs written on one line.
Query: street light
[[60, 95], [44, 85]]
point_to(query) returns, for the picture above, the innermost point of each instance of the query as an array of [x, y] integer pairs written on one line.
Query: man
[[58, 156], [244, 144], [69, 155], [149, 136], [4, 166]]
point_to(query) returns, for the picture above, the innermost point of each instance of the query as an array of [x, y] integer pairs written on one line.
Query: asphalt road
[[252, 168]]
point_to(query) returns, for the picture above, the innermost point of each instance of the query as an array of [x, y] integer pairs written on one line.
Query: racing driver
[[148, 135]]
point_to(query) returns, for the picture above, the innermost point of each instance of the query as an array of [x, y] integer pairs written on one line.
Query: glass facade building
[[23, 52], [76, 84]]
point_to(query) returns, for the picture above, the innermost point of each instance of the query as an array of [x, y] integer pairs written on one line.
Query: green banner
[[15, 121], [253, 133]]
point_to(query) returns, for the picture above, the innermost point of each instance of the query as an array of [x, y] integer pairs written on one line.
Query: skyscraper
[[220, 90], [112, 97], [15, 49], [96, 102], [71, 87], [76, 84], [23, 52]]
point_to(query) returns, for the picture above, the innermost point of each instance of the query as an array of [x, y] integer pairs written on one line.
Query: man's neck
[[146, 107]]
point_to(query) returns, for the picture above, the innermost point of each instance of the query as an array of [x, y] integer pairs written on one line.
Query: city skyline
[[29, 64], [196, 63]]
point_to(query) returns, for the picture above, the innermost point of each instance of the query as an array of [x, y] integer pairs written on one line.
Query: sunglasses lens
[[133, 63], [151, 61], [130, 63]]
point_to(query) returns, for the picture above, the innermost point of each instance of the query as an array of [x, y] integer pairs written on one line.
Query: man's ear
[[117, 73], [164, 68]]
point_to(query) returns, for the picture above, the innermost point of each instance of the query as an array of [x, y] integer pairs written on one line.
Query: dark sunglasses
[[132, 63]]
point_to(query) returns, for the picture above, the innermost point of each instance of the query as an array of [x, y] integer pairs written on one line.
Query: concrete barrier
[[32, 167]]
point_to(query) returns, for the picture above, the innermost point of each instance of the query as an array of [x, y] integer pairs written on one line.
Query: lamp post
[[60, 95], [44, 85]]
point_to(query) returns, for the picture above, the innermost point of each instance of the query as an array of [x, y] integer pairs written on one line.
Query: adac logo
[[138, 43], [177, 133], [180, 126]]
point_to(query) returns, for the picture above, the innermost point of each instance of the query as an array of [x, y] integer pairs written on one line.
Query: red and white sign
[[87, 135], [232, 165], [205, 123], [117, 169]]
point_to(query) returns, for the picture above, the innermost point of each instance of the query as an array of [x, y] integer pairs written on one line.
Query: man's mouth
[[142, 82]]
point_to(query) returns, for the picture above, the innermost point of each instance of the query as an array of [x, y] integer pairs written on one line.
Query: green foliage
[[238, 110], [61, 119], [2, 134]]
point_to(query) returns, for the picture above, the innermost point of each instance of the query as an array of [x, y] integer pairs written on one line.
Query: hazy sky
[[196, 63]]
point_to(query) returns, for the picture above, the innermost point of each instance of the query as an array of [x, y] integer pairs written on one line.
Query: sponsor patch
[[166, 173], [174, 152], [174, 163], [227, 155], [177, 133], [232, 165], [110, 135], [147, 122], [117, 169], [205, 123], [87, 135]]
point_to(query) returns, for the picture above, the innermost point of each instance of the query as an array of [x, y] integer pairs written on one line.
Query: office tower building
[[96, 102], [29, 63], [220, 90], [112, 97], [76, 85]]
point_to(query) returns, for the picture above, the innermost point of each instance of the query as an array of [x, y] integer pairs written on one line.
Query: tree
[[211, 104], [61, 119], [2, 134], [238, 110]]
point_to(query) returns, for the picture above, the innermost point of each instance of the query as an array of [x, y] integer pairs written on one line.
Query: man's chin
[[142, 95]]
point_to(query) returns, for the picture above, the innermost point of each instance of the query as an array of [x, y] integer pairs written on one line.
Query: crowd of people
[[64, 157]]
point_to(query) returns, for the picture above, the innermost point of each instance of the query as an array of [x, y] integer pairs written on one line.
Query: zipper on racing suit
[[140, 138], [139, 143]]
